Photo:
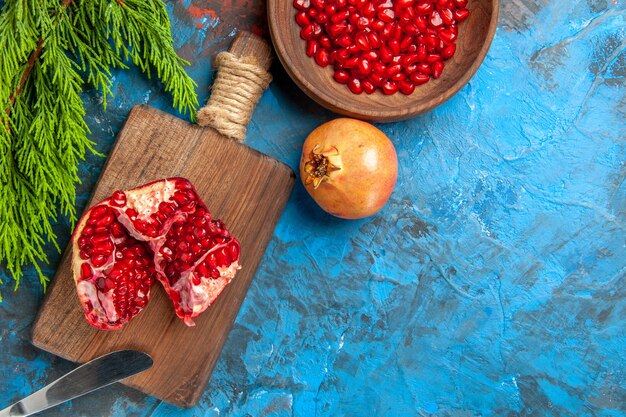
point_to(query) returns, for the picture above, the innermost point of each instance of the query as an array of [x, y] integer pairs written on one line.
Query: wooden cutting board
[[245, 188]]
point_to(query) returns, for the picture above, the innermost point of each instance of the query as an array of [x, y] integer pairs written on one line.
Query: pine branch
[[51, 49]]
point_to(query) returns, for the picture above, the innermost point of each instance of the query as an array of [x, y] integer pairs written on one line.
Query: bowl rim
[[383, 115]]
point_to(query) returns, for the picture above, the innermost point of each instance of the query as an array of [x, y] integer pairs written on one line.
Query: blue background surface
[[492, 284]]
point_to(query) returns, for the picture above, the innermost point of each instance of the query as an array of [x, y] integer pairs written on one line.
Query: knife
[[91, 376]]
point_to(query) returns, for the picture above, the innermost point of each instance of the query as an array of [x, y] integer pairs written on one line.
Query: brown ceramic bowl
[[474, 39]]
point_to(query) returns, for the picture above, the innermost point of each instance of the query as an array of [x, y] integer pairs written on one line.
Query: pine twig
[[29, 67]]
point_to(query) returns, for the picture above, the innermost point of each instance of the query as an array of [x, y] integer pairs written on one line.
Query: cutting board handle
[[242, 76]]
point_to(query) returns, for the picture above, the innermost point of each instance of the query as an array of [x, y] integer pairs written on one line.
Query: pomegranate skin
[[362, 168]]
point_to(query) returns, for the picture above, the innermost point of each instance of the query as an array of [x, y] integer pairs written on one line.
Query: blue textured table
[[492, 283]]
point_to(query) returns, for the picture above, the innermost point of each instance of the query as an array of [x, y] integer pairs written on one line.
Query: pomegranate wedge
[[161, 230]]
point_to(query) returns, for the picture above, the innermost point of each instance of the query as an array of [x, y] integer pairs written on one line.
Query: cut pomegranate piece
[[113, 271], [160, 230]]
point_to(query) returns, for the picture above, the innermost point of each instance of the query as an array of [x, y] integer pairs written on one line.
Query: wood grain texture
[[244, 188], [474, 40]]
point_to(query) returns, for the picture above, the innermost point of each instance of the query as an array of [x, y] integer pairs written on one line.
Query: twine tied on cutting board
[[239, 84]]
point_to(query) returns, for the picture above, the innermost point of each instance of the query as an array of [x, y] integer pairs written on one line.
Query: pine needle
[[52, 50]]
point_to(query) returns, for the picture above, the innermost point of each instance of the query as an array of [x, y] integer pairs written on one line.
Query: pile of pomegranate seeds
[[391, 45]]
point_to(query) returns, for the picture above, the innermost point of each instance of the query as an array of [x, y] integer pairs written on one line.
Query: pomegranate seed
[[422, 23], [363, 23], [410, 69], [368, 10], [419, 78], [318, 4], [353, 49], [448, 51], [398, 77], [424, 8], [196, 279], [351, 62], [85, 271], [368, 87], [409, 60], [406, 42], [341, 76], [189, 207], [364, 67], [422, 54], [335, 30], [311, 47], [379, 68], [105, 248], [411, 29], [394, 47], [117, 231], [203, 269], [354, 84], [396, 32], [446, 16], [82, 242], [373, 39], [301, 4], [424, 69], [377, 25], [435, 19], [167, 208], [302, 19], [223, 257], [307, 32], [446, 36], [406, 87], [118, 198], [98, 211], [322, 57], [431, 41], [394, 69], [386, 15], [461, 14], [370, 55], [234, 251], [376, 79], [390, 87], [362, 41], [433, 58], [99, 260], [324, 42], [407, 13], [340, 16], [385, 54], [437, 69], [461, 4], [321, 18]]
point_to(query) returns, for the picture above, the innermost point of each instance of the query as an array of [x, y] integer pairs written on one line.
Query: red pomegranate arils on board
[[356, 37], [159, 231]]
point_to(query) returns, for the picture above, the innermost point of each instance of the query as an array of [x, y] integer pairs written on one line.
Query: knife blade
[[89, 377]]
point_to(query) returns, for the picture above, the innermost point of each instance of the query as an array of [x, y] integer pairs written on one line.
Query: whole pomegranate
[[161, 230], [349, 167]]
